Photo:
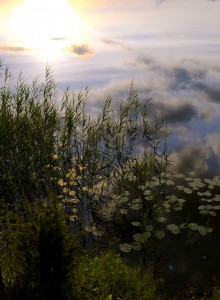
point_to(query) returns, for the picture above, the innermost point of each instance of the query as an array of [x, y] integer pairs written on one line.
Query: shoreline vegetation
[[81, 195]]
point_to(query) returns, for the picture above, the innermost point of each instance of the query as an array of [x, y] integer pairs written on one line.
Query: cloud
[[14, 49], [191, 81], [82, 50], [179, 113], [212, 92], [58, 39], [191, 158], [115, 43], [208, 114], [183, 78], [213, 140], [146, 61]]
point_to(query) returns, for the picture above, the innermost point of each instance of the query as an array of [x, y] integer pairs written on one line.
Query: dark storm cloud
[[13, 49], [81, 50], [181, 113]]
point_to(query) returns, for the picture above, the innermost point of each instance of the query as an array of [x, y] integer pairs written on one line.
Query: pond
[[167, 46]]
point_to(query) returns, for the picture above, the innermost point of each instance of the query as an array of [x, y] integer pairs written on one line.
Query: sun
[[45, 25]]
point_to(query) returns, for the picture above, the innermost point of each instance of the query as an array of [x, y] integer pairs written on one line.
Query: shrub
[[106, 276], [38, 251]]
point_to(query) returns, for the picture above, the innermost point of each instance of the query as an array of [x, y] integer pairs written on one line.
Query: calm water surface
[[170, 46]]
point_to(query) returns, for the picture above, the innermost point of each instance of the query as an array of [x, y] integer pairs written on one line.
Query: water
[[171, 47]]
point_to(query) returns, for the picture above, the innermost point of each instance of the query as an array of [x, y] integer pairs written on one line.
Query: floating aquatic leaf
[[202, 230], [61, 182], [216, 207], [197, 179], [72, 193], [161, 220], [146, 235], [209, 181], [136, 246], [137, 201], [180, 187], [207, 193], [125, 247], [202, 207], [212, 213], [209, 229], [149, 228], [142, 187], [181, 200], [173, 228], [138, 238], [178, 208], [193, 226], [196, 184], [136, 206], [187, 191], [204, 212], [74, 200], [156, 183], [136, 224], [211, 187], [166, 205], [122, 199], [112, 204], [170, 182], [97, 232], [192, 173], [73, 218], [65, 190], [162, 174], [173, 198], [217, 198], [159, 234], [179, 175], [188, 179], [123, 211], [147, 193], [126, 193], [88, 228]]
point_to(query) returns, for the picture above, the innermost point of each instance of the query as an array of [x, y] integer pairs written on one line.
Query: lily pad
[[138, 238], [125, 247], [159, 234]]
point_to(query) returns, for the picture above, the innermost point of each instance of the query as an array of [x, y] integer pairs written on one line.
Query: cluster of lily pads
[[149, 203], [150, 199]]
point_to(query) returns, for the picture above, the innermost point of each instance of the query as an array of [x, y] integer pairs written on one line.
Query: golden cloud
[[13, 49], [82, 50]]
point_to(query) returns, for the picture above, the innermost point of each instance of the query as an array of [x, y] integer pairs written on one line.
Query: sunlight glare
[[45, 25]]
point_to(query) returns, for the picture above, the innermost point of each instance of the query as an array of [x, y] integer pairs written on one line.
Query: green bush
[[106, 276], [38, 251]]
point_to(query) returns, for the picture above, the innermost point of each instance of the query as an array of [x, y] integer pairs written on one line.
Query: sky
[[169, 46]]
